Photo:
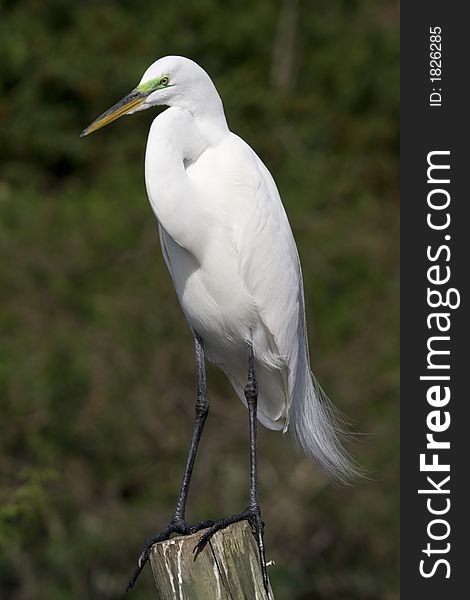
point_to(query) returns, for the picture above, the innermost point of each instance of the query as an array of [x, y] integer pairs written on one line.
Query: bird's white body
[[230, 250], [232, 257]]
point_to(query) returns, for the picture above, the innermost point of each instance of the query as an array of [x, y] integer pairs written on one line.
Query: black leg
[[202, 410], [251, 394], [252, 513], [178, 523]]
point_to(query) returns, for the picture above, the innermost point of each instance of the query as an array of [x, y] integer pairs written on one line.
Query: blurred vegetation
[[96, 360]]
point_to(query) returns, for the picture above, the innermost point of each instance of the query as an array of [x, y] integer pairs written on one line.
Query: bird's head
[[169, 81]]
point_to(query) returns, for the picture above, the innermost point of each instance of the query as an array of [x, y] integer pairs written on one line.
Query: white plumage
[[230, 250], [231, 254]]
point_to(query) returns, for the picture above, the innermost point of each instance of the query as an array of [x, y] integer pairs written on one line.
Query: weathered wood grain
[[227, 569]]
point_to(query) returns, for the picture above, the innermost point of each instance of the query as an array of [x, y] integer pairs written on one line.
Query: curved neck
[[211, 121], [174, 139], [205, 105]]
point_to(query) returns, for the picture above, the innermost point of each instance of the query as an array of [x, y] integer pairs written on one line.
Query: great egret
[[229, 248]]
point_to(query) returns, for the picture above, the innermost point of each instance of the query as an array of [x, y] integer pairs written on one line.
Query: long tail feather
[[314, 428]]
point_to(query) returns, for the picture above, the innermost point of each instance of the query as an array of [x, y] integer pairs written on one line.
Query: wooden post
[[227, 569]]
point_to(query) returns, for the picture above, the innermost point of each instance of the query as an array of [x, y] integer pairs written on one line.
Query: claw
[[199, 547], [175, 526]]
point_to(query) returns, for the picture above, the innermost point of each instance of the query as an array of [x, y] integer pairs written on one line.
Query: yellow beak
[[129, 102]]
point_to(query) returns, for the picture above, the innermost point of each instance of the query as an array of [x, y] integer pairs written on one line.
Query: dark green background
[[96, 360]]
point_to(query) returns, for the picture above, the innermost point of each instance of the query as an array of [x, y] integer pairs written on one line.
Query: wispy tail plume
[[314, 428]]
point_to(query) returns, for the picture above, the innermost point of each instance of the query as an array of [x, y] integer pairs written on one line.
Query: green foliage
[[96, 366]]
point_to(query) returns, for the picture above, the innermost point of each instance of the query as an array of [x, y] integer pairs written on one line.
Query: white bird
[[228, 245]]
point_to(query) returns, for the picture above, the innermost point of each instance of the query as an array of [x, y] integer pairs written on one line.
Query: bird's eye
[[165, 80]]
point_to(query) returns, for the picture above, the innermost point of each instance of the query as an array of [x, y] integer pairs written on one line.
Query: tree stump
[[227, 569]]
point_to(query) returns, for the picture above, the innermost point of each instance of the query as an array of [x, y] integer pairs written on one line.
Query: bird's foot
[[252, 514], [177, 525]]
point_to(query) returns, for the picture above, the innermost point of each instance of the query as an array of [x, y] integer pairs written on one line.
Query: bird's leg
[[177, 523], [202, 410], [252, 512]]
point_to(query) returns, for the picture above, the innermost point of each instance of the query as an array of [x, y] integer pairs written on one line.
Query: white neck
[[211, 121], [204, 103], [173, 139]]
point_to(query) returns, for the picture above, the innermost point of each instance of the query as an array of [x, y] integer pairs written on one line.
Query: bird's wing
[[270, 266], [164, 246]]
